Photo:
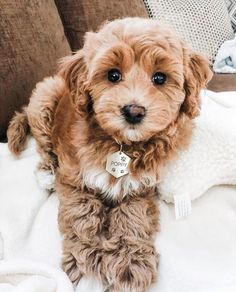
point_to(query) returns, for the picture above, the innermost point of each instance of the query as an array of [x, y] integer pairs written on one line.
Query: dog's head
[[138, 76]]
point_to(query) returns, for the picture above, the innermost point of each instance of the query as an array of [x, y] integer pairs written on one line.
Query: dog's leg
[[41, 111], [81, 217], [40, 114], [131, 260]]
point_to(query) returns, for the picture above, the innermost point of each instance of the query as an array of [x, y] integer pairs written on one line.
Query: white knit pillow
[[231, 5], [204, 24]]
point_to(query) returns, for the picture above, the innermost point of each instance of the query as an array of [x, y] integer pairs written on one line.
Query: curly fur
[[18, 132], [109, 224]]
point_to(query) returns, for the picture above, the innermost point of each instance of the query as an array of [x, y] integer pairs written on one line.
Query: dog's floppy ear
[[73, 70], [197, 73]]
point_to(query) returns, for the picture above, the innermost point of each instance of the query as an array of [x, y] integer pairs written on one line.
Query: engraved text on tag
[[117, 164]]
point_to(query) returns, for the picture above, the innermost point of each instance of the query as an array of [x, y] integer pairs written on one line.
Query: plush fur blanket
[[198, 253], [210, 158], [30, 241]]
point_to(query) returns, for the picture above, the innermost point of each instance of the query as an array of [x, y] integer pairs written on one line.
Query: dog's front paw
[[70, 267], [45, 179], [133, 267]]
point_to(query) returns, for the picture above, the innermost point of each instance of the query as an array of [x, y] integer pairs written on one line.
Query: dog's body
[[79, 118]]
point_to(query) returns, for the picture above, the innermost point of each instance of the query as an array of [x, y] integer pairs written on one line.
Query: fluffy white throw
[[211, 156], [198, 253], [30, 242], [225, 61]]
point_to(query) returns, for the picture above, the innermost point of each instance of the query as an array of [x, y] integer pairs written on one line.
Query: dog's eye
[[114, 75], [159, 78]]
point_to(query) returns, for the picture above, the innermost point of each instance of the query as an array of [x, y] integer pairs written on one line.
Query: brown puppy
[[133, 83]]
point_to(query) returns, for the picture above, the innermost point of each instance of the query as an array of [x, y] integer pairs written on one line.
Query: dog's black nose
[[133, 113]]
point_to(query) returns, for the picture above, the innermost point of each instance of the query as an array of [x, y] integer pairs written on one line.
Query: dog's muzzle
[[133, 113]]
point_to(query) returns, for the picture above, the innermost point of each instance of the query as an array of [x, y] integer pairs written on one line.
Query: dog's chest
[[100, 180]]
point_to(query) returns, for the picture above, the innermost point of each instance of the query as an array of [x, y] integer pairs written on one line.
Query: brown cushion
[[222, 82], [32, 39], [80, 16]]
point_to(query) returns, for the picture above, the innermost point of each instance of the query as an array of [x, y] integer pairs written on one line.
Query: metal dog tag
[[117, 164]]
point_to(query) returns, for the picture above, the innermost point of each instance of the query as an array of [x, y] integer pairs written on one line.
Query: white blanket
[[210, 158], [198, 253], [30, 242]]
